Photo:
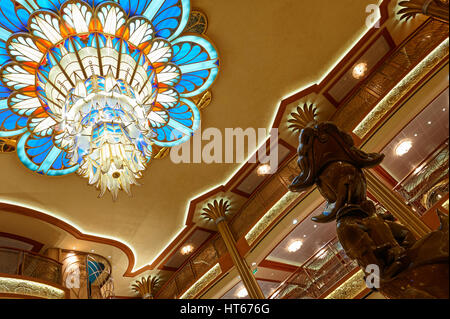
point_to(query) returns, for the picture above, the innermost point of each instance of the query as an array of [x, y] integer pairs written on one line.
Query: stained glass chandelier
[[93, 86]]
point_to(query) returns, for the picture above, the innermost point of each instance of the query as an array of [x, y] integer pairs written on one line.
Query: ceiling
[[313, 237], [268, 50], [426, 132]]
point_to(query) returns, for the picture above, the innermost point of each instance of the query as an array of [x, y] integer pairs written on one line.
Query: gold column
[[217, 212], [395, 205]]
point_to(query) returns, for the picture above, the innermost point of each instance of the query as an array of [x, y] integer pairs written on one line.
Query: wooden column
[[395, 205], [217, 212]]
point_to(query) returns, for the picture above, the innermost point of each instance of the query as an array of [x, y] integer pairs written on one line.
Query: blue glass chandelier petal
[[184, 121], [12, 19], [39, 154], [168, 17], [4, 57], [52, 5], [198, 62], [11, 124]]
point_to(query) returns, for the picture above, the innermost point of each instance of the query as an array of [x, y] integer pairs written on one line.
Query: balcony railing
[[194, 268], [262, 199], [318, 275], [25, 263]]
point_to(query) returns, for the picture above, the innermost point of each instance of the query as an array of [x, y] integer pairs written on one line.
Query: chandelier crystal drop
[[94, 87]]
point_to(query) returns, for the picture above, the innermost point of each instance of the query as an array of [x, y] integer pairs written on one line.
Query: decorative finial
[[303, 117], [146, 287], [7, 145], [434, 8], [217, 210]]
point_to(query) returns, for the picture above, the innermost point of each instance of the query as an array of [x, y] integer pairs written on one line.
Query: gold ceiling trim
[[401, 89], [351, 288], [7, 145], [202, 283], [24, 287], [198, 22], [272, 214]]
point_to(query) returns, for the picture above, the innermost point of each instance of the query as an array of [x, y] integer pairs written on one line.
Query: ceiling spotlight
[[315, 226], [295, 246], [444, 109], [242, 293], [403, 147], [295, 222], [263, 169], [415, 135], [186, 250], [359, 70], [92, 250]]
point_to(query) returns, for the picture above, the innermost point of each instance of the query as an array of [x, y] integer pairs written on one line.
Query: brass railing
[[429, 180], [318, 275], [208, 255], [194, 268], [29, 264]]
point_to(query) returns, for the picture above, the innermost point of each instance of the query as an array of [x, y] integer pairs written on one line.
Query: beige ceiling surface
[[268, 50]]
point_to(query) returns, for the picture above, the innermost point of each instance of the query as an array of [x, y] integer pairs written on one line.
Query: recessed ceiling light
[[186, 250], [444, 109], [295, 221], [429, 122], [263, 169], [304, 236], [92, 250], [359, 70], [295, 246], [109, 257], [403, 147], [315, 226], [242, 293], [253, 264], [416, 135]]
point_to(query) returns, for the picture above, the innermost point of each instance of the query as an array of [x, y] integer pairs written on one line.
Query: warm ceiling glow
[[295, 246], [186, 250], [263, 169], [359, 70], [403, 147], [242, 293]]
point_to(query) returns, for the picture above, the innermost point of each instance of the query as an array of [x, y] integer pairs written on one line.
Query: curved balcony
[[25, 274]]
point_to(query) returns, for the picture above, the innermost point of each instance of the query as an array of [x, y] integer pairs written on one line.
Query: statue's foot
[[325, 217]]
